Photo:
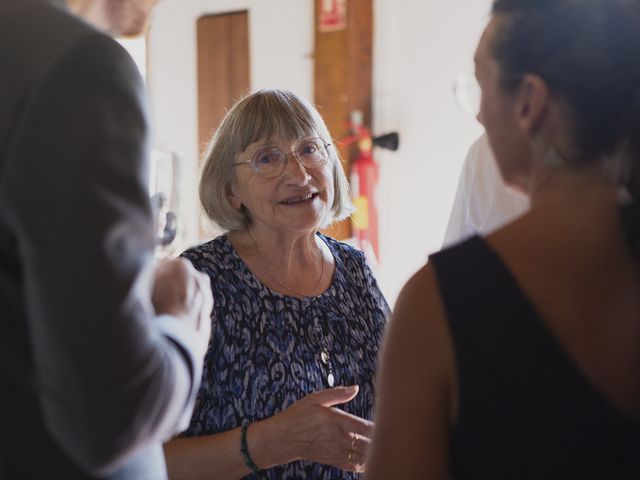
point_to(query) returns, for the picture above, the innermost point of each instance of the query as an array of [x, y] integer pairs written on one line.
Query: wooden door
[[223, 68], [223, 73]]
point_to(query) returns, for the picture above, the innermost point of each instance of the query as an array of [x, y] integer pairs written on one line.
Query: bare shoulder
[[419, 301], [418, 329], [413, 415]]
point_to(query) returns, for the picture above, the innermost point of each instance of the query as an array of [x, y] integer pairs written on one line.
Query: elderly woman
[[298, 316], [517, 356]]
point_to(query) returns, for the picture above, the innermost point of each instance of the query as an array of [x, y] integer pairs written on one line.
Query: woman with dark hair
[[518, 355]]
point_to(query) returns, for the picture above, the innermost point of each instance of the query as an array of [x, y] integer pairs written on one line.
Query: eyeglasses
[[270, 162], [467, 92]]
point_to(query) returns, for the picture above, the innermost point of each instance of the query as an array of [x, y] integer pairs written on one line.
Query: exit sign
[[333, 15]]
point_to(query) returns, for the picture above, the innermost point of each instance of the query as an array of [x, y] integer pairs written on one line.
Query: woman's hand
[[310, 429]]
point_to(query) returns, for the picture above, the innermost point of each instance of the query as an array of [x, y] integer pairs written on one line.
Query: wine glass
[[164, 181]]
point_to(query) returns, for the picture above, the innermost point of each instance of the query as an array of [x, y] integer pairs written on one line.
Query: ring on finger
[[354, 441], [350, 457]]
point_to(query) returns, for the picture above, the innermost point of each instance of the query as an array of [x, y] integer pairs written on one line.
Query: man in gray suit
[[100, 352]]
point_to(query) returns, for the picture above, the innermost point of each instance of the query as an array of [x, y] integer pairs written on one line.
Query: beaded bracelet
[[245, 450]]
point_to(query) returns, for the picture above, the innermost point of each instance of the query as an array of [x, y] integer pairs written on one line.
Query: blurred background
[[393, 62]]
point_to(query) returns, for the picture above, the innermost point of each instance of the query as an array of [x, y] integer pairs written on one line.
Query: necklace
[[324, 355], [275, 279]]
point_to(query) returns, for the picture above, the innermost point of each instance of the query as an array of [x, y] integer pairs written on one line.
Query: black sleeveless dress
[[525, 410]]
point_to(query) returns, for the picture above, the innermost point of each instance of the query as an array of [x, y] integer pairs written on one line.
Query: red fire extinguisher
[[364, 179]]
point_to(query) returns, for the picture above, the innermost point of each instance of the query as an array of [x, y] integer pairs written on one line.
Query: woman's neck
[[583, 183], [282, 251], [294, 263]]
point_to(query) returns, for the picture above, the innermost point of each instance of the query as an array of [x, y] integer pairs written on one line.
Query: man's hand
[[183, 292]]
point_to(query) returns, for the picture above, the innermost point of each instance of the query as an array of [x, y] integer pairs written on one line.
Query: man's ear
[[532, 103], [234, 200]]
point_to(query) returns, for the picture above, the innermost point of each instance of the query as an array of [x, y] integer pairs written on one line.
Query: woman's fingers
[[353, 424], [336, 396], [360, 444], [357, 453], [333, 396], [329, 435]]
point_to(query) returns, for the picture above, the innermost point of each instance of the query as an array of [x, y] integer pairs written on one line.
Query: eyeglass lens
[[270, 161], [467, 92]]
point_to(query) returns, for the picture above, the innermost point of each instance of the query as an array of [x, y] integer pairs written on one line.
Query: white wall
[[281, 47], [419, 46]]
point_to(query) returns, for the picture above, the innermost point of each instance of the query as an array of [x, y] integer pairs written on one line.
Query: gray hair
[[261, 115]]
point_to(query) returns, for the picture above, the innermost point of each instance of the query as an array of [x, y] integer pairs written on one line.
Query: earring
[[624, 195], [550, 157]]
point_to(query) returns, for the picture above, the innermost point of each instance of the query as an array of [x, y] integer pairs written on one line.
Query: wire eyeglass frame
[[283, 157]]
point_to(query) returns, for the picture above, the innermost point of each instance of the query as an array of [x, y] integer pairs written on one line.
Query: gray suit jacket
[[91, 381]]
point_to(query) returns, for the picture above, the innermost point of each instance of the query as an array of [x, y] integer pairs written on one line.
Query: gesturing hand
[[314, 431]]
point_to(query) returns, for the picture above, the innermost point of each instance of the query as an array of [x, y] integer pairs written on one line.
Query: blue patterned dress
[[264, 352]]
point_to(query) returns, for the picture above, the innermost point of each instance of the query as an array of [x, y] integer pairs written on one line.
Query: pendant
[[324, 356], [330, 379]]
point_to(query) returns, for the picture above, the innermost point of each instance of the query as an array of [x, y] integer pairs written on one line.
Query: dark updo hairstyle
[[588, 53]]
